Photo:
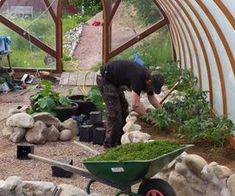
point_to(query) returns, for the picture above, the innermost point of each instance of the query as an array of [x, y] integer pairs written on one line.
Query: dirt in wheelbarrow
[[223, 155]]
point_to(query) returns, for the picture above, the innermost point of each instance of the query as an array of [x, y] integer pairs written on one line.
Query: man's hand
[[136, 105]]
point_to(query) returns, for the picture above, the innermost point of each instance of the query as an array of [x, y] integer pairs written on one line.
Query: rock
[[4, 191], [195, 183], [209, 174], [212, 189], [71, 124], [231, 185], [66, 135], [134, 136], [7, 188], [7, 131], [21, 120], [17, 110], [94, 194], [70, 190], [222, 171], [181, 168], [171, 165], [72, 39], [47, 118], [12, 182], [17, 134], [130, 118], [179, 183], [35, 188], [53, 134], [38, 134], [130, 126], [181, 157], [195, 163]]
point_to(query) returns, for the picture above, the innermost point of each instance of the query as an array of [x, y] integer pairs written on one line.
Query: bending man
[[120, 75]]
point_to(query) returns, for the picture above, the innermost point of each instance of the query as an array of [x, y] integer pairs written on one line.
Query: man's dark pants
[[116, 111]]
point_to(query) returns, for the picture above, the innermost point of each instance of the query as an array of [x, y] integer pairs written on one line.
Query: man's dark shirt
[[127, 73]]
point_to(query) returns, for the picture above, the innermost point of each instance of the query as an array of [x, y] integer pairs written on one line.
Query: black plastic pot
[[85, 107], [86, 133], [98, 135], [59, 172], [95, 117], [65, 112]]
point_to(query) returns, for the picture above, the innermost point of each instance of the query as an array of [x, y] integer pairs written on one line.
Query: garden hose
[[84, 86]]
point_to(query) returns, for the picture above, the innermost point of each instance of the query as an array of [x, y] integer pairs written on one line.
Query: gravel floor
[[36, 170]]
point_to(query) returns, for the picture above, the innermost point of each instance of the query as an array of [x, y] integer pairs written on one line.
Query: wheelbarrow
[[123, 174]]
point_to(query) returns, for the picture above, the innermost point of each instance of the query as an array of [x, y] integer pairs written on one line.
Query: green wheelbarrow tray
[[127, 173]]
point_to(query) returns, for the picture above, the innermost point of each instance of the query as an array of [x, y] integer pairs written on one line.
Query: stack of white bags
[[132, 133]]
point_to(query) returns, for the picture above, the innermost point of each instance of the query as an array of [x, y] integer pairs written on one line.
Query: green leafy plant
[[95, 97], [46, 100], [191, 116], [160, 118]]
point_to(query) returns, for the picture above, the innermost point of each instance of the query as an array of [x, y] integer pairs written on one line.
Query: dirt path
[[89, 49]]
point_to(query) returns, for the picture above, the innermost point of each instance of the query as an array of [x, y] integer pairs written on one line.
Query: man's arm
[[135, 100], [153, 100]]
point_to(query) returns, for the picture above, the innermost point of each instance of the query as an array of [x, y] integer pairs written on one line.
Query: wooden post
[[59, 37], [107, 8]]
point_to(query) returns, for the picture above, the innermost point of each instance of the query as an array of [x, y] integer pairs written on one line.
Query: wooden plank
[[73, 77], [80, 78], [64, 78], [90, 79]]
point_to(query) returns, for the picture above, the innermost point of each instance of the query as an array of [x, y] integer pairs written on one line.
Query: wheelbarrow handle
[[94, 152], [67, 167]]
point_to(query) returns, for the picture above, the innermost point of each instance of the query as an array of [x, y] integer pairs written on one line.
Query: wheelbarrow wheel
[[156, 187]]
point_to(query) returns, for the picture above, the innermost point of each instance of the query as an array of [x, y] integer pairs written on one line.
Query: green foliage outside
[[90, 6], [147, 11], [46, 100], [138, 151], [24, 51], [44, 29], [72, 21], [155, 51]]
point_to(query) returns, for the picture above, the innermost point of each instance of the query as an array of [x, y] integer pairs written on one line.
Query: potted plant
[[88, 102], [48, 100]]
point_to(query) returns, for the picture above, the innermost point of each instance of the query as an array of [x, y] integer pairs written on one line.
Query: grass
[[155, 51], [72, 21], [137, 151], [25, 54]]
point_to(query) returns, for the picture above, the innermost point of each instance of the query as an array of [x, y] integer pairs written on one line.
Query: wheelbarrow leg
[[88, 187]]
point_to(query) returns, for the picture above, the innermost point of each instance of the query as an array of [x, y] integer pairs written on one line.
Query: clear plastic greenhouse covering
[[203, 35], [35, 19]]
